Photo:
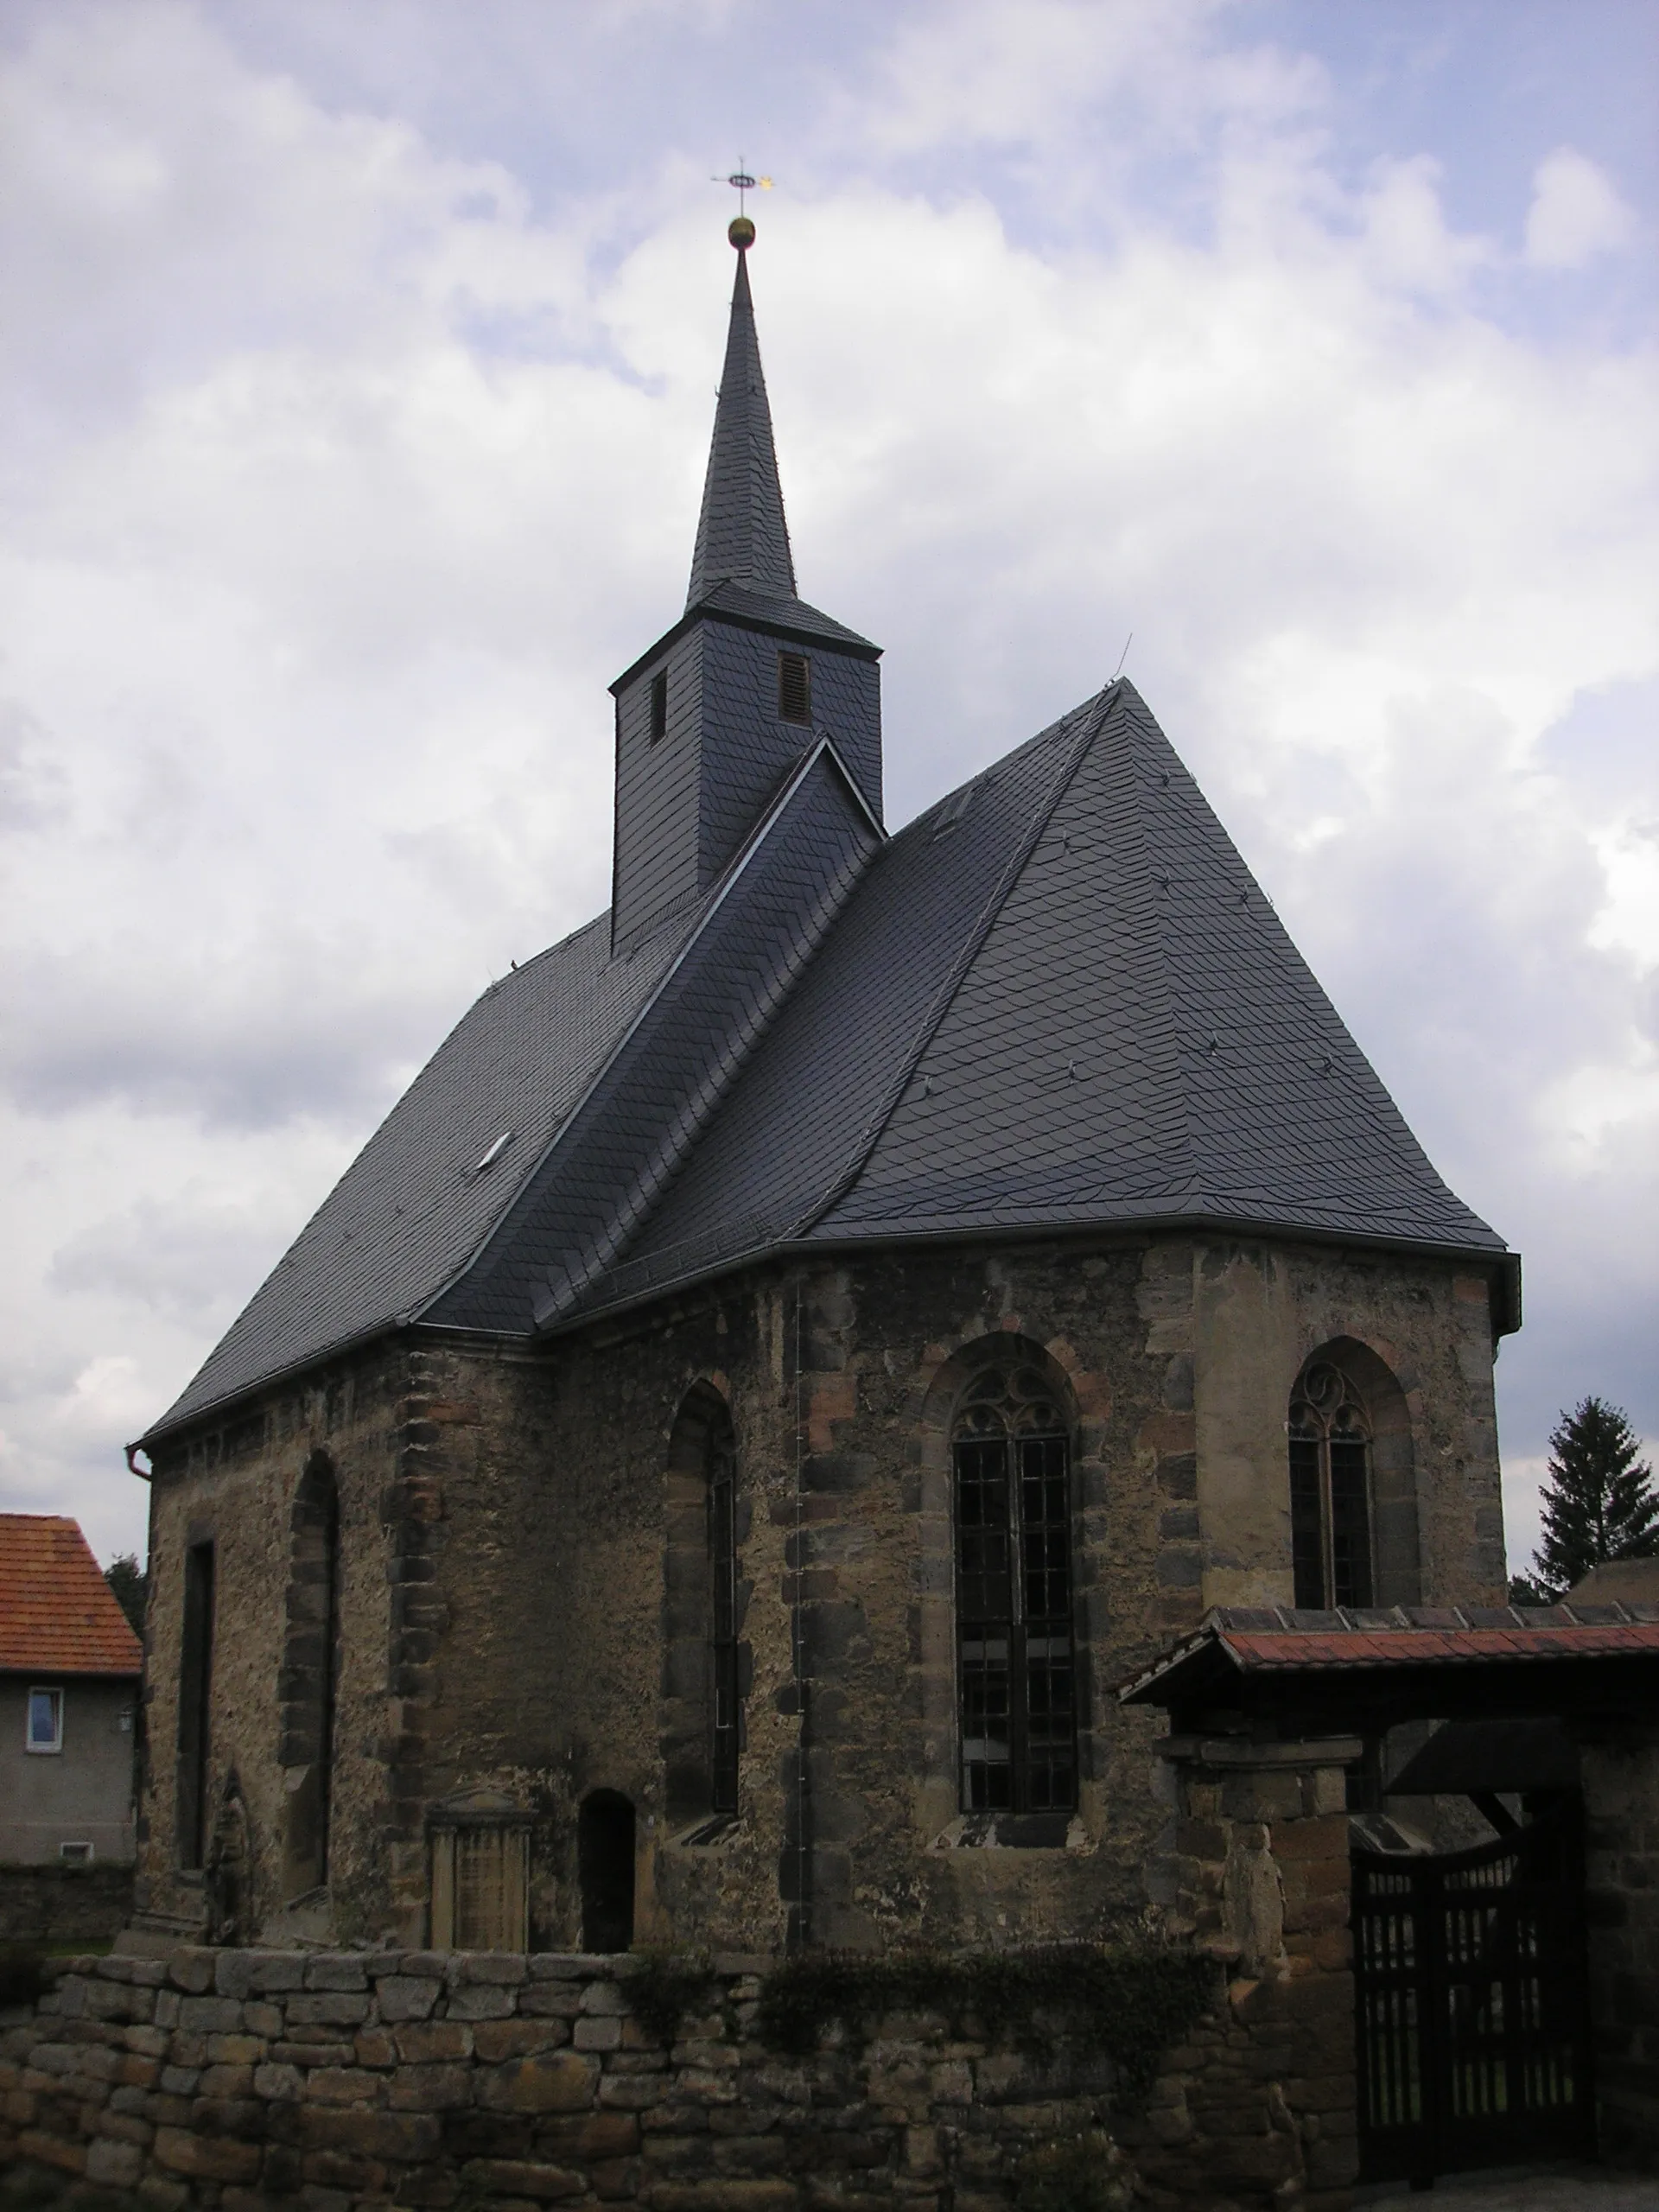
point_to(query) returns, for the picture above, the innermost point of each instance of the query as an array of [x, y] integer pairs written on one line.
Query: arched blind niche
[[1353, 1495], [1016, 1658], [310, 1678], [702, 1612]]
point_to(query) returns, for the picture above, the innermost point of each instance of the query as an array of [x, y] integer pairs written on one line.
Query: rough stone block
[[205, 2158], [193, 1970], [424, 2041], [368, 2134], [344, 2085], [505, 1969], [275, 1970], [331, 1970], [279, 2084], [495, 2040], [431, 2088], [403, 1997], [235, 2050], [598, 2034], [326, 2008], [554, 2081], [112, 2164], [524, 2177], [480, 2002]]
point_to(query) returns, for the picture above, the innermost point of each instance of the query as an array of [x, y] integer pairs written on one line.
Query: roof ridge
[[870, 1136], [1159, 1045], [634, 1210], [692, 1118]]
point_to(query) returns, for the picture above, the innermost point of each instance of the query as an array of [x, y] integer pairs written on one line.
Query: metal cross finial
[[744, 184]]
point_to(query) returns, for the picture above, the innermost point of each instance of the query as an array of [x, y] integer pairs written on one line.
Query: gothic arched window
[[1330, 1488], [724, 1738], [310, 1677], [704, 1657], [1017, 1668]]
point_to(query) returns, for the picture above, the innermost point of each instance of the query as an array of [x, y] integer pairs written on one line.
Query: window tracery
[[1330, 1437], [1016, 1664]]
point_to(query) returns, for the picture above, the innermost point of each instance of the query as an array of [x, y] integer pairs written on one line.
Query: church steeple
[[742, 537], [726, 705]]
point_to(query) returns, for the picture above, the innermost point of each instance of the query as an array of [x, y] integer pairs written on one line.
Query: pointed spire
[[742, 537]]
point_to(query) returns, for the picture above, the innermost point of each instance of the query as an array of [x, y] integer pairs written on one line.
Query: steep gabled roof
[[1138, 1039], [1057, 999], [413, 1207], [601, 1070], [57, 1615]]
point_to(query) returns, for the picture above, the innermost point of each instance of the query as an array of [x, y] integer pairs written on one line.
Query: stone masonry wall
[[1259, 2101], [504, 1532], [61, 1905], [231, 2078], [1619, 1764]]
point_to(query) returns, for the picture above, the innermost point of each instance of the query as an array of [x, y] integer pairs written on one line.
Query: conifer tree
[[130, 1584], [1600, 1501]]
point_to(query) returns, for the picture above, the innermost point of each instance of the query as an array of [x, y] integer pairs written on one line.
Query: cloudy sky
[[358, 364]]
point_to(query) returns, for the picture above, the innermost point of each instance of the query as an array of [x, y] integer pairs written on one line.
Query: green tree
[[130, 1584], [1600, 1501]]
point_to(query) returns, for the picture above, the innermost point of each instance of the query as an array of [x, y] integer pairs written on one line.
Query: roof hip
[[870, 1136]]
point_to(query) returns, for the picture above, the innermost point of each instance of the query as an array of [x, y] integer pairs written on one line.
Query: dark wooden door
[[1473, 2044]]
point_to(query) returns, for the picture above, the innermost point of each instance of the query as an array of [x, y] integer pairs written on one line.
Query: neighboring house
[[70, 1667], [702, 1470]]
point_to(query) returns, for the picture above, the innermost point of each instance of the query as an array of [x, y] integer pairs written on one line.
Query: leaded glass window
[[1017, 1667], [1329, 1490], [722, 1560]]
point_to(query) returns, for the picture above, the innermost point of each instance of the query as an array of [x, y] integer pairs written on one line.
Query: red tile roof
[[1279, 1640], [1425, 1647], [57, 1616]]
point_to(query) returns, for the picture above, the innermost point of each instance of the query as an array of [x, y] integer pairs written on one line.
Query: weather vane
[[741, 230]]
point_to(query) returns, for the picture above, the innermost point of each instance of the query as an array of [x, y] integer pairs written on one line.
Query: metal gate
[[1472, 2005]]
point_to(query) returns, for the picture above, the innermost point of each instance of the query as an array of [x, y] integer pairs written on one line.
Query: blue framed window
[[44, 1728]]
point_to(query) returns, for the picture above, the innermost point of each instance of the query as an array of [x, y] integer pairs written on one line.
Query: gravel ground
[[1557, 2188]]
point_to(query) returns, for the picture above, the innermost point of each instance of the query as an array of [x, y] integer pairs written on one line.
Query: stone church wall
[[507, 1638], [236, 2078]]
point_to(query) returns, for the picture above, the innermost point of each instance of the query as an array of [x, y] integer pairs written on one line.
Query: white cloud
[[345, 479], [1576, 212]]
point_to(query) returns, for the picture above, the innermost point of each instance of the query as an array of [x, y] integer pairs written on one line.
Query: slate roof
[[1056, 1000], [742, 537], [57, 1615]]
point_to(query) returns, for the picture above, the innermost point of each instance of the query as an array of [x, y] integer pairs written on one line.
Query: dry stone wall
[[229, 2078]]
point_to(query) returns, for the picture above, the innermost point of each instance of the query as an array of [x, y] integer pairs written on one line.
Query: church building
[[797, 1346]]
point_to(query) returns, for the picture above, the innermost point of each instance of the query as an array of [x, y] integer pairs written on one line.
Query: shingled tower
[[714, 716], [799, 1337]]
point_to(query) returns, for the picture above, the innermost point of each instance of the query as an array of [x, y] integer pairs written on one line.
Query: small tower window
[[795, 687], [660, 707]]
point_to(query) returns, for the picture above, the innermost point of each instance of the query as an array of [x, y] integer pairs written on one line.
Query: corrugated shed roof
[[57, 1614]]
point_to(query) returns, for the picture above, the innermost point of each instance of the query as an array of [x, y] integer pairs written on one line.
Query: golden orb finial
[[740, 231]]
